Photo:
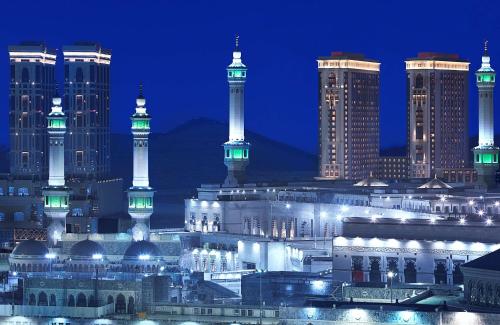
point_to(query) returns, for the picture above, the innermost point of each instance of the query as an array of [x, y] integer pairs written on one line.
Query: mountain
[[192, 154]]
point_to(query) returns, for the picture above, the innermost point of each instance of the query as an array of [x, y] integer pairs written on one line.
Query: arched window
[[121, 305], [25, 75], [111, 300], [79, 75], [130, 307], [52, 301], [71, 301], [42, 299], [92, 301], [81, 300], [419, 81], [32, 300]]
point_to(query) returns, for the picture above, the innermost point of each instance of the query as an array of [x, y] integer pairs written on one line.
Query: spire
[[140, 90], [237, 43], [140, 101], [485, 48]]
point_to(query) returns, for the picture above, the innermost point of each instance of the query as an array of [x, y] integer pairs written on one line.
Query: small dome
[[30, 248], [141, 248], [86, 248]]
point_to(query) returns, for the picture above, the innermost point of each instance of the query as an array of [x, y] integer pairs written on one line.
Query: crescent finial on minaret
[[141, 90], [237, 41], [486, 47]]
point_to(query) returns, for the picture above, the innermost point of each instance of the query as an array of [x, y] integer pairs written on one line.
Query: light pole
[[260, 293], [390, 275]]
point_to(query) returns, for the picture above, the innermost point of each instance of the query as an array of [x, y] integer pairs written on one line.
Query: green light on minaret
[[137, 202], [57, 123], [140, 124], [56, 201], [487, 158]]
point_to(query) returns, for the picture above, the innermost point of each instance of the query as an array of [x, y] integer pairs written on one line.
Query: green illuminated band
[[236, 153], [139, 202], [140, 123], [236, 73], [57, 123], [485, 77], [56, 201], [486, 158]]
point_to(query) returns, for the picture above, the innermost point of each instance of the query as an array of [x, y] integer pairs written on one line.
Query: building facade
[[437, 110], [393, 167], [348, 116], [86, 101], [32, 86]]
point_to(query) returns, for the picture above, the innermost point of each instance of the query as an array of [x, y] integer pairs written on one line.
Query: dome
[[86, 248], [435, 183], [141, 248], [30, 248]]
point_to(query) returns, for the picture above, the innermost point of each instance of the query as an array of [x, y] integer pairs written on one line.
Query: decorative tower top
[[485, 62], [237, 57], [141, 103], [56, 109]]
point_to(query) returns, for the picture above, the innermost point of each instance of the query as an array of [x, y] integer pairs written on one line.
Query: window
[[79, 102], [22, 191], [25, 75], [25, 159], [79, 158], [79, 75], [77, 212]]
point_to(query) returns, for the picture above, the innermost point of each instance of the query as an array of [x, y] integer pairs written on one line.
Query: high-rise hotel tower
[[348, 116], [236, 149], [86, 99], [32, 86], [437, 113], [486, 153]]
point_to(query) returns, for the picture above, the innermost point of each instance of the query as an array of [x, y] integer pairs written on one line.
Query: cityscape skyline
[[290, 53]]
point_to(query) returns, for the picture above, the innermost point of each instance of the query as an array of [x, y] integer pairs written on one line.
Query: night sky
[[180, 50]]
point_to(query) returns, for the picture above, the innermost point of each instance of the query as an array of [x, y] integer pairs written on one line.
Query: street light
[[390, 275], [260, 292]]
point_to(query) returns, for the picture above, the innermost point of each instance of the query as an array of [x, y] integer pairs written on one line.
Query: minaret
[[140, 195], [236, 149], [486, 153], [56, 194]]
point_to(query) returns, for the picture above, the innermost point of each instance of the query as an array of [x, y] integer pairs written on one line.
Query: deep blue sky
[[180, 49]]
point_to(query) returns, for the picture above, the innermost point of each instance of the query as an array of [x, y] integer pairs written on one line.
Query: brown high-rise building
[[348, 116], [437, 94]]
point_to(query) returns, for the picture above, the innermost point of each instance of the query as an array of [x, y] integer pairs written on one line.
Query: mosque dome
[[86, 249], [30, 248], [141, 248]]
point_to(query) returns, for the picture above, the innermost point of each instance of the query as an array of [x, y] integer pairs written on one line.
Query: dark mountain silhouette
[[192, 154]]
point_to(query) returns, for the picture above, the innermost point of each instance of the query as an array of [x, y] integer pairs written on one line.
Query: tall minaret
[[140, 195], [236, 149], [486, 153], [56, 194]]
